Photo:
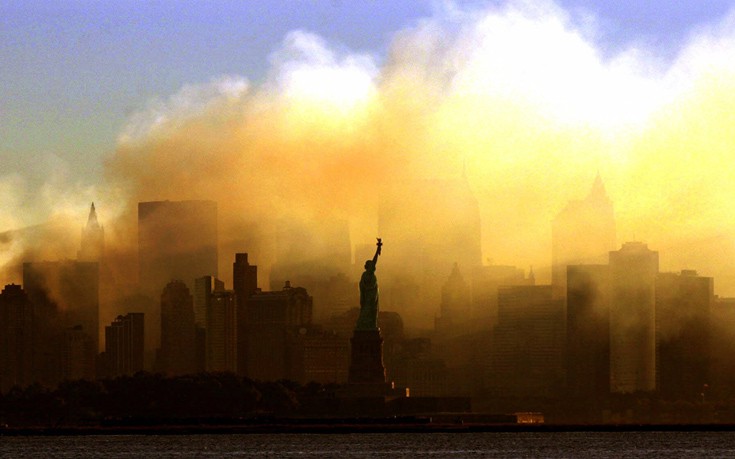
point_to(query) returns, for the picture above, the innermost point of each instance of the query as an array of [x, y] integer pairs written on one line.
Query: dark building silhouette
[[454, 310], [273, 321], [683, 307], [582, 233], [486, 281], [178, 335], [78, 356], [176, 240], [319, 356], [65, 298], [124, 345], [588, 333], [633, 271], [427, 234], [415, 366], [16, 338], [221, 331], [215, 317], [528, 342], [92, 246], [722, 332], [245, 284], [203, 288]]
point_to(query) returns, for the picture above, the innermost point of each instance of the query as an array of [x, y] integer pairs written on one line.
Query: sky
[[286, 102], [73, 72]]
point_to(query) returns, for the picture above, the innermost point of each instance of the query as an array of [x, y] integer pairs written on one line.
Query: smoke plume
[[519, 95]]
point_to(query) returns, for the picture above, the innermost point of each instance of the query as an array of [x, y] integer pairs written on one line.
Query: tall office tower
[[245, 283], [77, 355], [485, 284], [683, 306], [455, 304], [528, 342], [124, 345], [588, 333], [273, 319], [221, 331], [16, 338], [633, 271], [203, 288], [178, 334], [176, 240], [583, 233], [427, 226], [722, 372], [93, 239], [65, 294]]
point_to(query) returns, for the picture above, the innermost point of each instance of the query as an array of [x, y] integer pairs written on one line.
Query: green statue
[[368, 319]]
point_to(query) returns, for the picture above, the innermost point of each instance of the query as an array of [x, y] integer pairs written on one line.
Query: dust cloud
[[517, 100]]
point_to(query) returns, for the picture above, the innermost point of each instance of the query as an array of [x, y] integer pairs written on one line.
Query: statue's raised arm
[[368, 319], [377, 251]]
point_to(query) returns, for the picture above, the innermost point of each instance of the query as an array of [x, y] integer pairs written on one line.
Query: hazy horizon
[[528, 100]]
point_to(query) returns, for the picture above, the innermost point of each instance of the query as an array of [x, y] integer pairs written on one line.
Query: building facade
[[684, 303], [124, 345], [633, 271], [582, 233], [16, 338], [588, 332], [528, 342], [273, 319], [177, 354]]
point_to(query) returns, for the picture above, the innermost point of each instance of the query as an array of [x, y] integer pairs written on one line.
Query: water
[[393, 445]]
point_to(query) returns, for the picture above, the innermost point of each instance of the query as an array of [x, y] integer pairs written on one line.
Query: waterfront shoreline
[[353, 428]]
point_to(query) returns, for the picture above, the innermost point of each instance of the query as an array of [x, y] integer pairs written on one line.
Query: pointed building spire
[[598, 188], [92, 220], [93, 238]]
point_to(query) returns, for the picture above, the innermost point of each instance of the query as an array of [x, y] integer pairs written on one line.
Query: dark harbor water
[[434, 445]]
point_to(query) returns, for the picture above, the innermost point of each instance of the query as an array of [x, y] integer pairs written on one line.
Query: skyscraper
[[93, 239], [221, 331], [245, 283], [203, 288], [633, 271], [77, 358], [455, 304], [528, 341], [273, 319], [65, 295], [178, 336], [588, 333], [124, 345], [176, 240], [683, 307], [582, 233], [16, 338]]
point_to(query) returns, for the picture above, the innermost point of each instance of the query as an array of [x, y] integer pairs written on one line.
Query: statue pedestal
[[367, 392], [366, 363]]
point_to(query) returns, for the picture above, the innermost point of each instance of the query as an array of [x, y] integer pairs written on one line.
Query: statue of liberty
[[368, 319]]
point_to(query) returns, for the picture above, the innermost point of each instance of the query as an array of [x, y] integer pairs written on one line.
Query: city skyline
[[542, 190], [529, 99], [627, 331]]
